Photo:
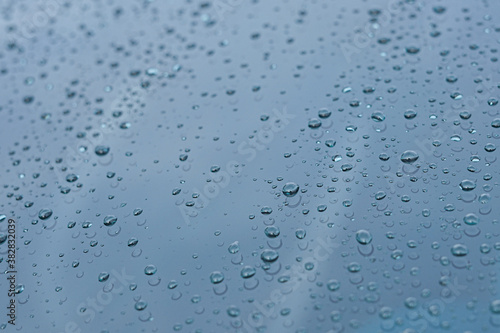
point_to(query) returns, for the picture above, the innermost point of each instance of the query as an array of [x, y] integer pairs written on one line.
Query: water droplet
[[300, 233], [140, 305], [330, 143], [45, 213], [132, 242], [150, 270], [380, 195], [272, 231], [363, 237], [266, 210], [471, 219], [333, 285], [234, 247], [233, 311], [467, 185], [459, 250], [495, 306], [410, 114], [378, 116], [290, 189], [324, 113], [71, 178], [314, 123], [354, 267], [110, 220], [269, 255], [216, 277], [490, 147], [439, 9], [409, 157], [104, 276], [412, 50], [101, 150]]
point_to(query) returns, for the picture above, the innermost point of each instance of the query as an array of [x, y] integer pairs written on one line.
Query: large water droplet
[[290, 189], [269, 255], [459, 250], [150, 270], [101, 150], [247, 272], [110, 220], [216, 277], [45, 213], [104, 276], [467, 185], [409, 157], [363, 237]]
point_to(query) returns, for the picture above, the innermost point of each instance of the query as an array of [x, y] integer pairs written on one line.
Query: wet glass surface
[[250, 166]]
